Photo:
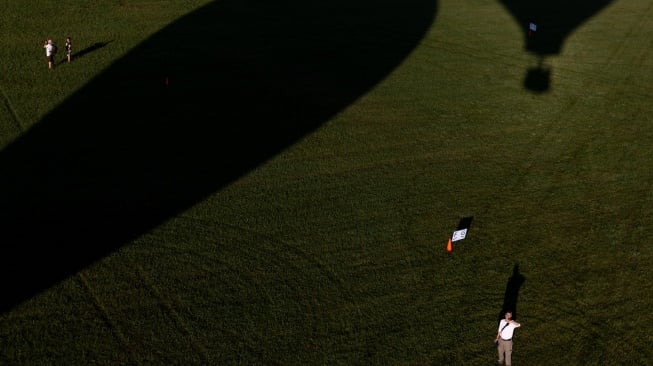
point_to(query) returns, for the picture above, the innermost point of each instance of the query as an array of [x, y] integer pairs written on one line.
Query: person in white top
[[504, 338], [50, 50]]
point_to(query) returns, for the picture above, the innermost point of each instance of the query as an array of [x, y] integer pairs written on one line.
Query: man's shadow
[[512, 293], [94, 47], [184, 114], [545, 25]]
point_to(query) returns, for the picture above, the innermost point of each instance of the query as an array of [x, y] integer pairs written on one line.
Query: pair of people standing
[[51, 51]]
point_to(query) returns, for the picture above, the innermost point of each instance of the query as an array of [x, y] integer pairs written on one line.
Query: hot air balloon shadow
[[181, 116], [546, 24]]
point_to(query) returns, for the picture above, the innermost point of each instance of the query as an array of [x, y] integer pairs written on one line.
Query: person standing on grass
[[69, 48], [503, 340], [50, 51]]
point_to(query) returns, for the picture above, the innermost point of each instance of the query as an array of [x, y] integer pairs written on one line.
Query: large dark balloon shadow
[[181, 116], [554, 21]]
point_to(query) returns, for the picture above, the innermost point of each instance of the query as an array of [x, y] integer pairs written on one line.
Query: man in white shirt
[[49, 52], [504, 338]]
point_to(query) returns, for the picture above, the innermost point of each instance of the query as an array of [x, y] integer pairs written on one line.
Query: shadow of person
[[545, 26], [193, 108], [94, 47], [512, 293]]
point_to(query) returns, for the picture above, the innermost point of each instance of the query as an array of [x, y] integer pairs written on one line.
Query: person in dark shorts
[[69, 48]]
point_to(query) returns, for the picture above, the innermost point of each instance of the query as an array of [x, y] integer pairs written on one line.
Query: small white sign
[[459, 235], [532, 27]]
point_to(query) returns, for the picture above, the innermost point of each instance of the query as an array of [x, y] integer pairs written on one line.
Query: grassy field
[[287, 198]]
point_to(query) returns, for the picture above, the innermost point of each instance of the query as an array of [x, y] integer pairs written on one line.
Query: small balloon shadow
[[545, 25], [538, 79]]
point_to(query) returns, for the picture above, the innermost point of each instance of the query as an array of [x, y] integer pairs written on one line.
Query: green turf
[[333, 251]]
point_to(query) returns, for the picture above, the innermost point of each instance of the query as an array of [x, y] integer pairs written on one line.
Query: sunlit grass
[[333, 251]]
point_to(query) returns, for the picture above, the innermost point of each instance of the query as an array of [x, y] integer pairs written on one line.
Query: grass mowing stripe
[[15, 119], [10, 127], [115, 330], [173, 314]]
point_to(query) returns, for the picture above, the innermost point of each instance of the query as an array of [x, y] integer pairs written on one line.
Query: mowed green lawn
[[333, 251]]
